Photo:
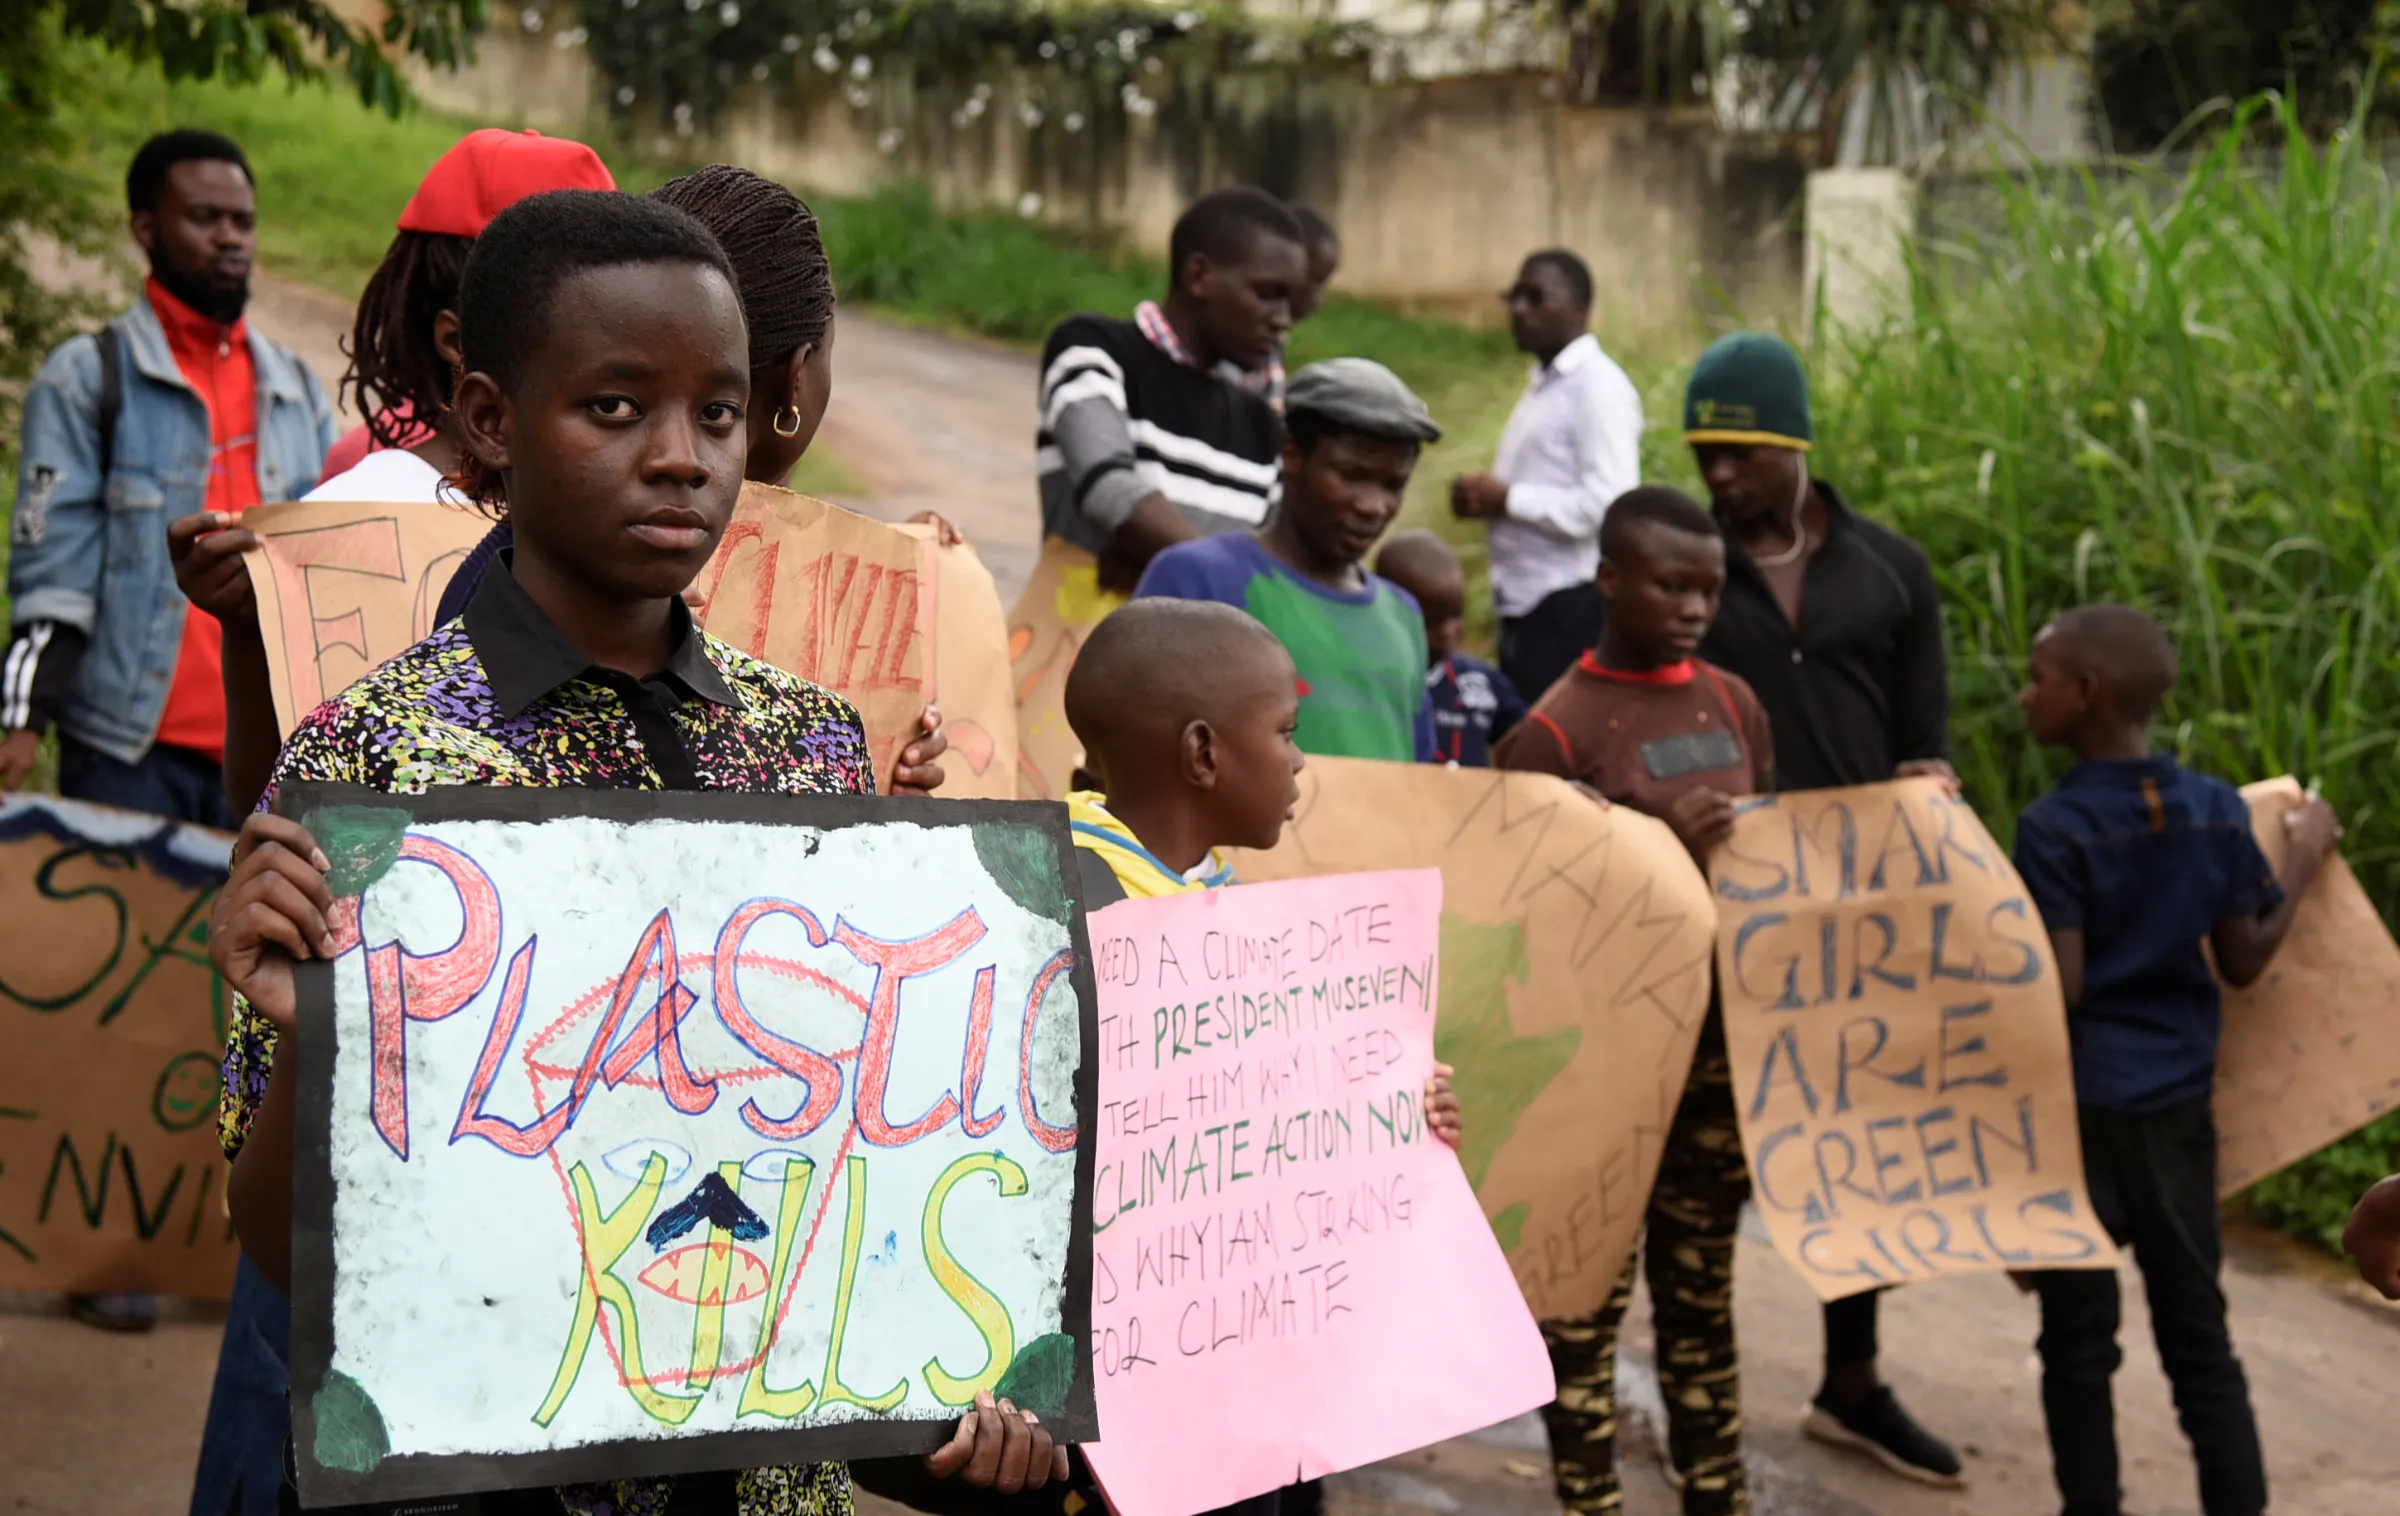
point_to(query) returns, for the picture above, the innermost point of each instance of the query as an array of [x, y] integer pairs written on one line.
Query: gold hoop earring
[[793, 430]]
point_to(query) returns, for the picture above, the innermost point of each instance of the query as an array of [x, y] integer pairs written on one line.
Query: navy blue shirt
[[1474, 705], [2144, 858]]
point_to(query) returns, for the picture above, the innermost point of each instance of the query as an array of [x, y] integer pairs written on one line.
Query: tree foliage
[[2156, 62], [247, 40], [1067, 66], [44, 200]]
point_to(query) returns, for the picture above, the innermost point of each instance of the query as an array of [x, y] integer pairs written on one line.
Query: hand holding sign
[[1898, 1042], [2311, 1051], [1276, 1201], [768, 1143]]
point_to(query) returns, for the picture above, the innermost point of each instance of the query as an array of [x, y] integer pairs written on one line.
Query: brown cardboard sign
[[1898, 1041], [110, 1173], [1057, 610], [2311, 1052], [832, 596], [343, 586], [969, 679], [1575, 947]]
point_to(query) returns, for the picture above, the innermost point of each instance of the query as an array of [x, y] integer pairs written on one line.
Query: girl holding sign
[[605, 403]]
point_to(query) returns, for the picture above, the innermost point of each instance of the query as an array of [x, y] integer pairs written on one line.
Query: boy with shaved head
[[1186, 710], [2133, 860], [1473, 704]]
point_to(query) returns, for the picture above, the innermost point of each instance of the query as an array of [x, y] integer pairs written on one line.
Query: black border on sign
[[426, 1477]]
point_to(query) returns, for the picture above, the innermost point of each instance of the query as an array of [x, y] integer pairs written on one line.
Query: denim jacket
[[88, 543]]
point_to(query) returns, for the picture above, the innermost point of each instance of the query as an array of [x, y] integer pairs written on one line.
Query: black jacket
[[1862, 687]]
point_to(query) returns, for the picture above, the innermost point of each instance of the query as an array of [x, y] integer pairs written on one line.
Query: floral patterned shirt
[[500, 696]]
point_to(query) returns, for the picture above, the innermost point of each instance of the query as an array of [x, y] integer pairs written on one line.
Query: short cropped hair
[[2126, 649], [1223, 223], [540, 242], [1315, 230], [1570, 268], [146, 178], [1653, 505]]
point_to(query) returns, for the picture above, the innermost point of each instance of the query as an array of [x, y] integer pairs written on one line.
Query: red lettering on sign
[[404, 986], [821, 1074], [894, 963]]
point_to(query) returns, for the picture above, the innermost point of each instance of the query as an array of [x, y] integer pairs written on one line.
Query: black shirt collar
[[526, 656]]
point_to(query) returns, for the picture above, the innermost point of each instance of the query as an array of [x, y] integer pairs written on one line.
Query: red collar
[[187, 329], [1665, 673]]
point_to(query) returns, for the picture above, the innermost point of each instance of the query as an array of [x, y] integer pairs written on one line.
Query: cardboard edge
[[418, 1476]]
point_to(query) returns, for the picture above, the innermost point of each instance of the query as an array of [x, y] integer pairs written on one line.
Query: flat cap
[[1361, 395]]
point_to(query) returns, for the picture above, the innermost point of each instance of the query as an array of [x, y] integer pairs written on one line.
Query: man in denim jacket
[[208, 416]]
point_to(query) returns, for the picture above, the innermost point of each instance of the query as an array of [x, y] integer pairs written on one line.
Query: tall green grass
[[2174, 389]]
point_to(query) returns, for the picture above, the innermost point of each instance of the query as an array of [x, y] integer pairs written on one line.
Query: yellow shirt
[[1138, 871]]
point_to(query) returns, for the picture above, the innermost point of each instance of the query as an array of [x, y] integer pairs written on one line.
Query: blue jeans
[[249, 1412], [173, 782]]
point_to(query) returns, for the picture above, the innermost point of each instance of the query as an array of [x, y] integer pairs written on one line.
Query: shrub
[[2174, 389]]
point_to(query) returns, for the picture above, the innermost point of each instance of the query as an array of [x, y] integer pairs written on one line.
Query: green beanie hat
[[1748, 388]]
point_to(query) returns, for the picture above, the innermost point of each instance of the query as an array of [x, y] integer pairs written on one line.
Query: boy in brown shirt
[[1646, 724]]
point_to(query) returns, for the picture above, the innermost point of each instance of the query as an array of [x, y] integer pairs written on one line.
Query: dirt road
[[108, 1426]]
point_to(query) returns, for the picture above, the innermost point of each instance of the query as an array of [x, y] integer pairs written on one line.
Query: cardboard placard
[[832, 596], [969, 677], [110, 1173], [1058, 608], [342, 586], [1575, 948], [768, 1142], [2311, 1052], [1272, 1213], [1898, 1042]]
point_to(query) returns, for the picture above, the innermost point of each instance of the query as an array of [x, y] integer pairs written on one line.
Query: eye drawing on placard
[[628, 1161]]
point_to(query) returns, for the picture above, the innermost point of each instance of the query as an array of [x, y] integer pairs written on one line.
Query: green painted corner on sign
[[361, 841], [350, 1431], [1038, 1377], [1509, 1226], [1500, 1074], [1023, 862]]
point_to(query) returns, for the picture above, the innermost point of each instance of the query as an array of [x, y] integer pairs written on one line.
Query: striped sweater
[[1121, 419]]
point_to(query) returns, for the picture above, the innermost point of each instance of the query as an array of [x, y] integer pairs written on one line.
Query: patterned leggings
[[1694, 1211]]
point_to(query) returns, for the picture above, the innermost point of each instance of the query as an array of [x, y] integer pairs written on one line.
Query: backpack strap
[[112, 394]]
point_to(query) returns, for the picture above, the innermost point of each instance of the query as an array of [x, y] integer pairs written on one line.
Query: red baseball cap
[[491, 170]]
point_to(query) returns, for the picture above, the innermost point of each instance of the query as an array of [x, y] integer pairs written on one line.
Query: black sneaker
[[1879, 1428]]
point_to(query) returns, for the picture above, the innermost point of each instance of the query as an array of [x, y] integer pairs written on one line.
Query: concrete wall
[[1858, 221], [1439, 186]]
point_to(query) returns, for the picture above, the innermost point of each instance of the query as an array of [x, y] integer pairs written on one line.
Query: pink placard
[[1290, 1275]]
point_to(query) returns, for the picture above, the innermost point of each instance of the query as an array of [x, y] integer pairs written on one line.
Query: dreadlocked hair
[[778, 255], [396, 377]]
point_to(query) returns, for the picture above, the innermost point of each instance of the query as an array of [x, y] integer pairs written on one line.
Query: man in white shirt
[[1573, 445]]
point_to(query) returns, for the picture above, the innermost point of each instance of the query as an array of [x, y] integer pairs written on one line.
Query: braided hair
[[391, 349], [778, 255]]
